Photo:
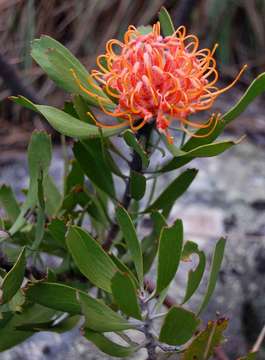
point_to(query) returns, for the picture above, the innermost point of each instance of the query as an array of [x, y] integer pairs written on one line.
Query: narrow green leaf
[[124, 293], [65, 123], [179, 326], [194, 276], [9, 202], [215, 268], [256, 88], [13, 279], [126, 225], [137, 185], [169, 252], [92, 162], [55, 296], [203, 345], [208, 150], [166, 22], [57, 61], [107, 346], [99, 317], [174, 190], [90, 258], [131, 141]]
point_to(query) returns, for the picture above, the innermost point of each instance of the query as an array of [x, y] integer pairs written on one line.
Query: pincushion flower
[[154, 77]]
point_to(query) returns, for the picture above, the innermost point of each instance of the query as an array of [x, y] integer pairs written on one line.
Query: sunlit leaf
[[90, 258], [65, 123], [207, 150]]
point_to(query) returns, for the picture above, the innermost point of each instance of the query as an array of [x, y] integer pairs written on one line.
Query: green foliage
[[90, 258], [13, 279], [94, 226], [171, 238], [108, 346], [179, 326], [194, 276], [125, 294], [166, 22], [215, 267]]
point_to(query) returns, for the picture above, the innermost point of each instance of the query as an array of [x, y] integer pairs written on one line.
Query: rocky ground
[[227, 198]]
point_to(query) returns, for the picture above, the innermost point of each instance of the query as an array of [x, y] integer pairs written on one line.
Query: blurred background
[[229, 196]]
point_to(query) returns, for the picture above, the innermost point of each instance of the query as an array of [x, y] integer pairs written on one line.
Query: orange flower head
[[162, 78]]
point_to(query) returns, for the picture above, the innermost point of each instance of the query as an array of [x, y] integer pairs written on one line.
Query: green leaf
[[215, 268], [108, 346], [65, 123], [144, 30], [13, 279], [150, 242], [203, 345], [137, 185], [256, 88], [124, 293], [125, 269], [56, 296], [131, 141], [57, 229], [39, 159], [126, 225], [174, 190], [99, 317], [9, 336], [166, 22], [179, 326], [90, 157], [9, 202], [62, 326], [82, 109], [90, 258], [169, 252], [57, 61], [194, 276], [207, 150], [53, 197]]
